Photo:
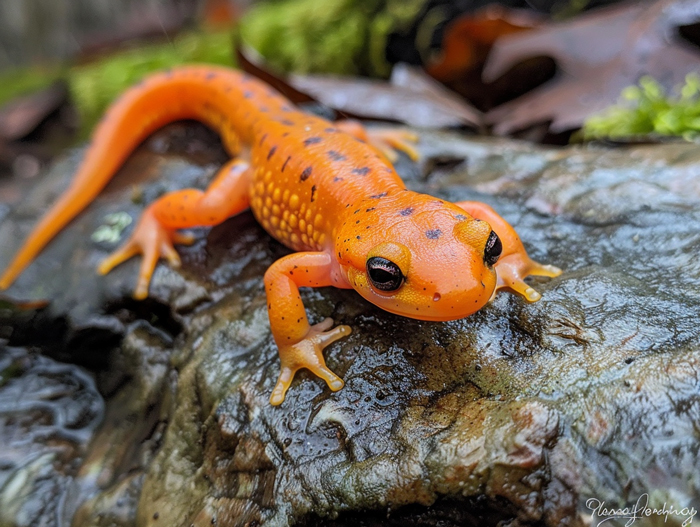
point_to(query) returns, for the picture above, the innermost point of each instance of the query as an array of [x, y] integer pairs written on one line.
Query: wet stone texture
[[522, 414]]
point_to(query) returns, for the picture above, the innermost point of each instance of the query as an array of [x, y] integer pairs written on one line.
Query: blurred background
[[37, 31], [548, 71]]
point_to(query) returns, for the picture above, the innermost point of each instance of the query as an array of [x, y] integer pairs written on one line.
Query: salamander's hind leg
[[514, 265], [300, 344], [387, 141], [156, 231]]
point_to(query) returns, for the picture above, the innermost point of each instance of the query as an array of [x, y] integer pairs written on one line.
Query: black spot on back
[[287, 122], [285, 163], [313, 192], [247, 94], [433, 234], [271, 152], [336, 156], [305, 174], [377, 196], [262, 139], [407, 211], [312, 141], [361, 171]]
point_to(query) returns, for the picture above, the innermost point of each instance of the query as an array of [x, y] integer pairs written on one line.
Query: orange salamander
[[326, 190]]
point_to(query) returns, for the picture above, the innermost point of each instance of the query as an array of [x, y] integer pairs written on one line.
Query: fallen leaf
[[598, 54], [252, 62], [21, 116], [411, 97]]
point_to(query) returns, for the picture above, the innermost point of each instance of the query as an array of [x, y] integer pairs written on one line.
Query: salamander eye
[[493, 249], [384, 274]]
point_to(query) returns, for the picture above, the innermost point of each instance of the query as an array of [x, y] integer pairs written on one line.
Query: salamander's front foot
[[512, 269], [152, 240], [514, 265], [308, 353]]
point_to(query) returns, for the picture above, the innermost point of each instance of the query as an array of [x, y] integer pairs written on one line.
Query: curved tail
[[194, 92]]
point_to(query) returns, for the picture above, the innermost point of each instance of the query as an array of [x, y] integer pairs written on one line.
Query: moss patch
[[345, 37], [646, 109], [95, 85]]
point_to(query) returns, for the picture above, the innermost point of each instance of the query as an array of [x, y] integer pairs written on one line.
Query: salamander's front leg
[[300, 344], [514, 265], [386, 141], [156, 231]]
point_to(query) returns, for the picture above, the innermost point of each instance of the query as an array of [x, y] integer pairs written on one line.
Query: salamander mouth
[[428, 318], [440, 313]]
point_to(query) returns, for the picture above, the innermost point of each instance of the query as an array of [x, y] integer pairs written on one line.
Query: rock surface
[[523, 414]]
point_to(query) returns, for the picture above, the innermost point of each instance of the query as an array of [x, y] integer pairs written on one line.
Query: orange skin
[[328, 191]]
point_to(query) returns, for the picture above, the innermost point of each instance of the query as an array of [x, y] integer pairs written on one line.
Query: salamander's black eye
[[384, 274], [493, 249]]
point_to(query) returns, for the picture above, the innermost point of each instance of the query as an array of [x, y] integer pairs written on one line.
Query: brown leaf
[[252, 62], [598, 54], [20, 116], [412, 97]]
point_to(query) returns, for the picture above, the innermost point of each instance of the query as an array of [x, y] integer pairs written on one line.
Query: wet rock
[[522, 413], [48, 413]]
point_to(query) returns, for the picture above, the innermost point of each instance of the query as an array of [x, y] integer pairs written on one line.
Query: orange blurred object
[[469, 38], [222, 13]]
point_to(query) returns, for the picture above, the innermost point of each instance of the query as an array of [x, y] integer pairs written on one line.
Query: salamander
[[326, 190]]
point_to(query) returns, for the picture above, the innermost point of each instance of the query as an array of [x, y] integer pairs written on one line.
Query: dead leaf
[[598, 54], [21, 116], [252, 62], [411, 97]]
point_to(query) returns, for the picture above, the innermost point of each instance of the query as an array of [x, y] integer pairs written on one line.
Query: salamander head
[[429, 260]]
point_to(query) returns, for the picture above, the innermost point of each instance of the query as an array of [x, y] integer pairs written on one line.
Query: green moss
[[340, 37], [23, 81], [647, 110], [95, 85]]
